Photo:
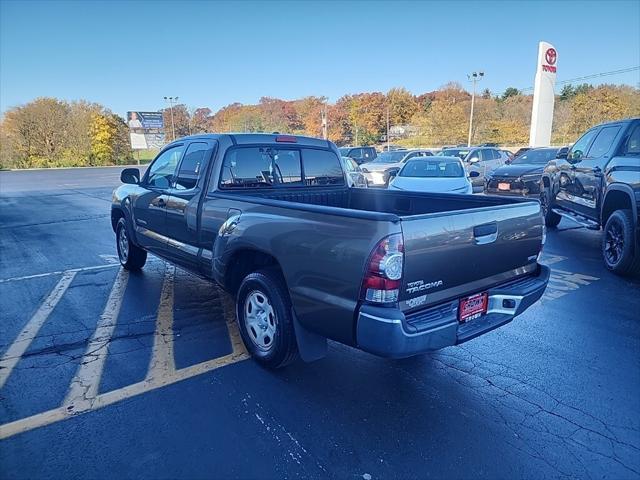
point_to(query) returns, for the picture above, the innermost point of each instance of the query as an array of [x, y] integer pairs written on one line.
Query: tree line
[[51, 132]]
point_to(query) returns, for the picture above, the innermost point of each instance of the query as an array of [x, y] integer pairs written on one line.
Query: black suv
[[597, 184], [359, 154]]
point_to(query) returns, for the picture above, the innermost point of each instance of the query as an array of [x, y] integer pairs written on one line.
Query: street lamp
[[474, 77], [171, 101]]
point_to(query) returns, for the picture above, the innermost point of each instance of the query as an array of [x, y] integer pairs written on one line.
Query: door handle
[[486, 233]]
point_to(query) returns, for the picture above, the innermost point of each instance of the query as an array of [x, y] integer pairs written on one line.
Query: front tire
[[619, 249], [131, 256], [551, 219], [263, 312]]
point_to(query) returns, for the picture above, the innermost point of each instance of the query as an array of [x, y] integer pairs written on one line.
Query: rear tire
[[551, 219], [619, 249], [131, 256], [263, 312]]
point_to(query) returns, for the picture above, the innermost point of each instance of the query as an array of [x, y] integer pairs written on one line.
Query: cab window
[[632, 148], [266, 166], [579, 149], [604, 140], [161, 171], [191, 166]]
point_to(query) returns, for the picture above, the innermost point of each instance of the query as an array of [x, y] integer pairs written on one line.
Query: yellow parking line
[[162, 358], [61, 413], [85, 384], [29, 332]]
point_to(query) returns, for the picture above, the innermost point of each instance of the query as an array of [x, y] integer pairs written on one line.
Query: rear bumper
[[389, 333]]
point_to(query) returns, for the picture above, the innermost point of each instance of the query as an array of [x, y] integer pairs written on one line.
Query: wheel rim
[[260, 320], [123, 245], [614, 243]]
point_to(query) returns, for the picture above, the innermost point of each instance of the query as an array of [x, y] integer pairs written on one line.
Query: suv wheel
[[131, 256], [263, 310], [551, 219], [618, 244]]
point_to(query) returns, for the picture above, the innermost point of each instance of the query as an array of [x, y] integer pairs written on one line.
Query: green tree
[[510, 92]]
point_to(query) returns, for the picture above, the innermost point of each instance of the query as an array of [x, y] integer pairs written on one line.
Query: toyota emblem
[[551, 56]]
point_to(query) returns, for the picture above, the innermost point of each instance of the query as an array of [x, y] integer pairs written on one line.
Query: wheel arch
[[242, 262], [618, 197]]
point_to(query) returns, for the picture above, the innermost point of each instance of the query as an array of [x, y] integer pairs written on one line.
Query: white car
[[433, 174], [482, 160], [377, 170]]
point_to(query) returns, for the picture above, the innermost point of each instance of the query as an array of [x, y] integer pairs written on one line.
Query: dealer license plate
[[504, 186], [473, 307]]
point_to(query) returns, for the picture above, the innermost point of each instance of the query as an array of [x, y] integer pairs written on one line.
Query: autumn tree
[[402, 106]]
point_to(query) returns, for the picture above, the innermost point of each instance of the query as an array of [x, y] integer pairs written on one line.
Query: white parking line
[[29, 332], [85, 384], [162, 360], [59, 272]]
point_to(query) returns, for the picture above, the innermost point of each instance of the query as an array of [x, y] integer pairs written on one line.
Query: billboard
[[543, 96], [146, 130]]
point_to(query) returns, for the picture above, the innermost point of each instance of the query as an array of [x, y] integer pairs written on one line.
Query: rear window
[[432, 169], [321, 167], [251, 167], [272, 166]]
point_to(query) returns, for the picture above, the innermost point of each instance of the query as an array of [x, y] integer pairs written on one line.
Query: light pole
[[171, 101], [323, 114], [387, 128], [474, 77]]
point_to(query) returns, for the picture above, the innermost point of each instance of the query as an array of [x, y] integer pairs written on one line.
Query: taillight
[[382, 278]]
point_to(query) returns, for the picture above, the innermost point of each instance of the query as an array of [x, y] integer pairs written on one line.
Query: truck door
[[588, 173], [568, 193], [149, 208], [182, 224]]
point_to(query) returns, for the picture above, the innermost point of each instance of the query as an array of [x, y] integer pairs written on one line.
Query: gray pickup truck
[[270, 219]]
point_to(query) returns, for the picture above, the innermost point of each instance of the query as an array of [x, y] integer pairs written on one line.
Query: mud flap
[[311, 346]]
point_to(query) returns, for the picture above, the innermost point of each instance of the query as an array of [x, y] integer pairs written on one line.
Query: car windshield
[[432, 168], [390, 157], [456, 152], [542, 156], [344, 151]]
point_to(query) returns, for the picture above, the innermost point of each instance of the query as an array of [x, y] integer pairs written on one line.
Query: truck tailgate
[[454, 254]]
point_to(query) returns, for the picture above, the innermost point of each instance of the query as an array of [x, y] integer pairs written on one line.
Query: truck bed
[[401, 204]]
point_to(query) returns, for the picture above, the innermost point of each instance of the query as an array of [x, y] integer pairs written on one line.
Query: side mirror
[[507, 161], [130, 175], [474, 174], [392, 173], [562, 155]]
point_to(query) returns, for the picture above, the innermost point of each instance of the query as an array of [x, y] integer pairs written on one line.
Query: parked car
[[359, 154], [509, 154], [521, 176], [432, 174], [355, 177], [377, 171], [597, 184], [270, 218], [520, 151], [482, 160]]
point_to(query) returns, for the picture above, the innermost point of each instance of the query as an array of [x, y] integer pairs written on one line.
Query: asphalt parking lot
[[105, 374]]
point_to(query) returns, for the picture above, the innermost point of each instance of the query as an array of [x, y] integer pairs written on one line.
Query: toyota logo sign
[[551, 56]]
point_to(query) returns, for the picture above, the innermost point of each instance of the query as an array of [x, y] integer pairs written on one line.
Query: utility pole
[[323, 114], [387, 128], [171, 101], [474, 77]]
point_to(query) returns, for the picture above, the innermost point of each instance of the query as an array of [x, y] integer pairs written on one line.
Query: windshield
[[455, 152], [390, 157], [344, 151], [541, 156], [432, 168]]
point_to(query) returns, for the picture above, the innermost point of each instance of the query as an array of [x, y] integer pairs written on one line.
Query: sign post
[[543, 96]]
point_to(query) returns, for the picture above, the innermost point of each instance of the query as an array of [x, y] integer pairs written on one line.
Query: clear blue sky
[[128, 55]]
